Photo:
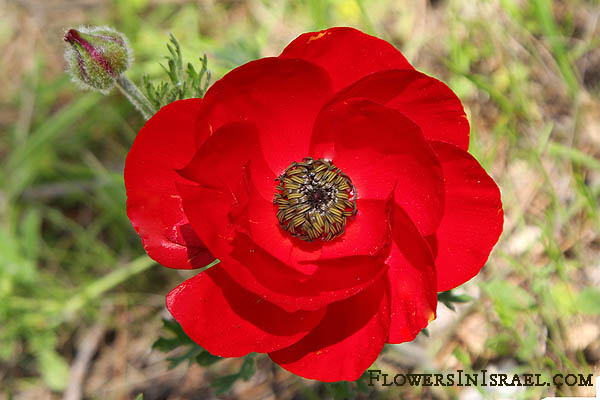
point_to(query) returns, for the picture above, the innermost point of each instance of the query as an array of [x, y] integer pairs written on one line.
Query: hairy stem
[[135, 96]]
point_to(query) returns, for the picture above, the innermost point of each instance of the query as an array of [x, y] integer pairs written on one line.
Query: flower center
[[314, 199]]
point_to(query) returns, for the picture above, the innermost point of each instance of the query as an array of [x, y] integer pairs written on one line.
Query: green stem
[[135, 96], [560, 50], [107, 282]]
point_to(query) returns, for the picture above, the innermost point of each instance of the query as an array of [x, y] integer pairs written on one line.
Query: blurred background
[[80, 303]]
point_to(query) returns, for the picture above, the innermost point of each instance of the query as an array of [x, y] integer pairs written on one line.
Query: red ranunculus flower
[[333, 182]]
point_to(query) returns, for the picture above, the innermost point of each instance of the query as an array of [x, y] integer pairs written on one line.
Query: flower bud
[[97, 56]]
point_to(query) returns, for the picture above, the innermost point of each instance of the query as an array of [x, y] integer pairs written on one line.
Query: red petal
[[217, 209], [224, 212], [229, 321], [346, 53], [428, 102], [367, 233], [265, 231], [333, 280], [346, 342], [257, 271], [218, 167], [222, 161], [473, 217], [153, 204], [412, 280], [379, 149], [282, 97]]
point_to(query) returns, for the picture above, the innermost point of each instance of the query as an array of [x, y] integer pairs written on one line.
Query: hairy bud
[[97, 56]]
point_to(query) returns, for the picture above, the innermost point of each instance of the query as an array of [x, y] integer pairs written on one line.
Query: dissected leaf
[[223, 384], [179, 340], [206, 359], [247, 369], [448, 297], [182, 83]]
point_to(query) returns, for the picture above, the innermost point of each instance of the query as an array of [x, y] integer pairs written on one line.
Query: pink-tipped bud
[[97, 56]]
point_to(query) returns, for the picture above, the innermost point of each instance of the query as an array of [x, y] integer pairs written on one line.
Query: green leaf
[[361, 383], [507, 300], [463, 356], [179, 340], [188, 356], [164, 344], [509, 295], [588, 301], [174, 327], [182, 83], [53, 368], [528, 343], [247, 369], [30, 230], [502, 344], [223, 384], [563, 298], [206, 359], [339, 390], [448, 298]]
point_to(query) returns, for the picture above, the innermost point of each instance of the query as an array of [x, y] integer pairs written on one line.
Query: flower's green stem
[[135, 96]]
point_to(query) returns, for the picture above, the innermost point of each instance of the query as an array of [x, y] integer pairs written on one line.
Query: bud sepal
[[97, 56]]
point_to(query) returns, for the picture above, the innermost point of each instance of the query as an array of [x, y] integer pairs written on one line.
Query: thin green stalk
[[104, 284], [365, 17], [574, 155], [135, 97], [543, 9]]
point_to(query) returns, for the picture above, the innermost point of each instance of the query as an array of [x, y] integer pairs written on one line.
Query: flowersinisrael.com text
[[482, 378]]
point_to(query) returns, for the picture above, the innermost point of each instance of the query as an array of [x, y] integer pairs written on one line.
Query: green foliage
[[588, 301], [52, 366], [508, 300], [339, 390], [344, 390], [563, 298], [206, 359], [183, 83], [192, 353], [544, 14], [54, 267], [464, 357], [178, 340], [223, 384], [448, 298]]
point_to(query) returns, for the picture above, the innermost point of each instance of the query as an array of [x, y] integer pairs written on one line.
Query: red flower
[[333, 182]]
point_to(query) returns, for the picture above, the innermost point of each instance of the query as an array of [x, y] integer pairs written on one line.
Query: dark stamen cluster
[[314, 199]]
